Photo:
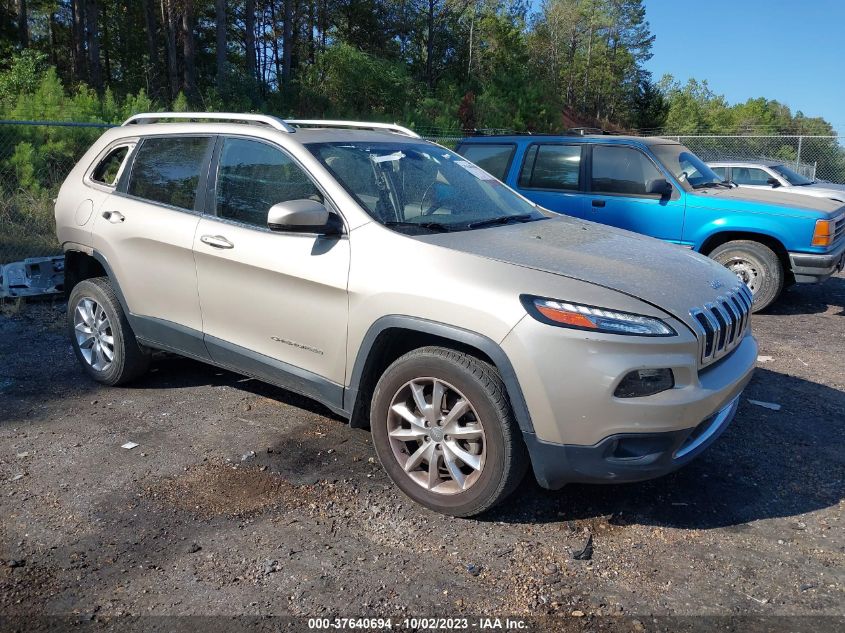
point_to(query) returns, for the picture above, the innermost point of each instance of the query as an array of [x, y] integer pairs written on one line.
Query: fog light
[[645, 382]]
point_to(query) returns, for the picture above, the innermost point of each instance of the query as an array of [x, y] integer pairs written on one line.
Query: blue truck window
[[494, 159], [552, 167], [621, 170]]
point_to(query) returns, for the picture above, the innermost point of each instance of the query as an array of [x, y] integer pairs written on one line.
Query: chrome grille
[[722, 323], [838, 228]]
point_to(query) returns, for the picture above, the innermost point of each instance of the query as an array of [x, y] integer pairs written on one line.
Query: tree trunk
[[78, 14], [152, 49], [54, 46], [249, 38], [168, 19], [106, 47], [23, 24], [220, 16], [274, 23], [189, 51], [95, 72], [429, 47], [287, 51]]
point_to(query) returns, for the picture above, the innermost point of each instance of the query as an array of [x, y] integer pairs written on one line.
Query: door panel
[[147, 233], [619, 176], [280, 295], [150, 253]]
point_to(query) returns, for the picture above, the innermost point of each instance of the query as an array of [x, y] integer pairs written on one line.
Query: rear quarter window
[[167, 170], [108, 170], [492, 158]]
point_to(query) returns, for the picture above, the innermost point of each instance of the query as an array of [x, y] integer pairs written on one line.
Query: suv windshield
[[417, 187], [688, 168], [792, 177]]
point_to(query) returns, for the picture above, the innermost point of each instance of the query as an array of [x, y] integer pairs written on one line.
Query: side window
[[721, 172], [108, 169], [167, 170], [552, 167], [253, 176], [494, 159], [621, 170], [750, 176]]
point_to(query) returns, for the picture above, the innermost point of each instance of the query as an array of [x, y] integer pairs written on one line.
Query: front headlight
[[583, 317]]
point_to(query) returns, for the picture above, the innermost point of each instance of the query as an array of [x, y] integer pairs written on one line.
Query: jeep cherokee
[[406, 289]]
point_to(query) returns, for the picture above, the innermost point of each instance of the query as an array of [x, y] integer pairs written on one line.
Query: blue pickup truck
[[660, 188]]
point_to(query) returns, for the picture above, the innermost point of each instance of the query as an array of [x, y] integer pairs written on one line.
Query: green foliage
[[22, 75], [345, 81]]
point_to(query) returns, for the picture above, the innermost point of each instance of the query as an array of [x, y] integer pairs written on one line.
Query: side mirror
[[302, 216], [774, 182], [658, 186]]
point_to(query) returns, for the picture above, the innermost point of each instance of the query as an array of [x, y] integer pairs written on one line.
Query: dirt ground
[[245, 500]]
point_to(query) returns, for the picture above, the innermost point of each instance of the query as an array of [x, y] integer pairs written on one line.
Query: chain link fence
[[36, 156], [816, 157]]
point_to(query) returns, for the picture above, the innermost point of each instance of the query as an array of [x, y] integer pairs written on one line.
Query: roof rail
[[265, 119], [390, 127]]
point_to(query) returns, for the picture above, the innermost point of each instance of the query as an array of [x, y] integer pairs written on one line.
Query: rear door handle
[[217, 241], [114, 216], [599, 203]]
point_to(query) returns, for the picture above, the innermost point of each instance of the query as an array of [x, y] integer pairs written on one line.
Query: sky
[[792, 51]]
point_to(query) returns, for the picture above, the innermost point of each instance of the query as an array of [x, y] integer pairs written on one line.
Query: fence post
[[798, 157]]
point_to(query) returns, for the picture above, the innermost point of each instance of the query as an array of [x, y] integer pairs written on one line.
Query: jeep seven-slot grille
[[722, 323]]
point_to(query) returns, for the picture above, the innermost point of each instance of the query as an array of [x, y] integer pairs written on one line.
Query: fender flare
[[460, 335]]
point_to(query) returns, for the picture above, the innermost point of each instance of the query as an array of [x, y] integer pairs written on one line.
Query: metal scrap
[[32, 277]]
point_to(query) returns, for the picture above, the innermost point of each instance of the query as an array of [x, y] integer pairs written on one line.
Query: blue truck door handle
[[598, 203]]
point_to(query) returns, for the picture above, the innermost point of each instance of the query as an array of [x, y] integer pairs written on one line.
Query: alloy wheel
[[436, 436], [94, 335]]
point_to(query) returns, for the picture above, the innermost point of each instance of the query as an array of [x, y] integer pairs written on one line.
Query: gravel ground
[[243, 499]]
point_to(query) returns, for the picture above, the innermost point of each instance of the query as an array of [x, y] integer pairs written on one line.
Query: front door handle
[[599, 203], [217, 241], [114, 216]]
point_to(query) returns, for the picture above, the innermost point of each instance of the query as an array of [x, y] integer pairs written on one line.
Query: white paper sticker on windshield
[[474, 170], [387, 157]]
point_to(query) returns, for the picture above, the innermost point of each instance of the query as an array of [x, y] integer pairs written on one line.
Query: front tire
[[755, 264], [445, 433], [102, 338]]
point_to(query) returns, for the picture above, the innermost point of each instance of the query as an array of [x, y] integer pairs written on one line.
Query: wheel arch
[[395, 335], [716, 240]]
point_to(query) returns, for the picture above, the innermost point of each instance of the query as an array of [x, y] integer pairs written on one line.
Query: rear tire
[[470, 417], [755, 264], [102, 338]]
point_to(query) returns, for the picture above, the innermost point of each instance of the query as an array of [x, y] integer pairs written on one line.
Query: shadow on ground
[[811, 299], [768, 464]]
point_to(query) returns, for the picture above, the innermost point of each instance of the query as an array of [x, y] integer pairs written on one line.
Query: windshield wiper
[[704, 185], [431, 226], [505, 219]]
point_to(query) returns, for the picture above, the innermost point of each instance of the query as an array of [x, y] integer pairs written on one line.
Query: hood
[[779, 202], [830, 189], [670, 277]]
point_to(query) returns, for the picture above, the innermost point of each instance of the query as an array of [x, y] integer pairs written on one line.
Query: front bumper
[[625, 457], [582, 432], [814, 268]]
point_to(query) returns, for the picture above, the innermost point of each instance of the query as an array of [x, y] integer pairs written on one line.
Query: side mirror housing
[[659, 186], [774, 182], [302, 216]]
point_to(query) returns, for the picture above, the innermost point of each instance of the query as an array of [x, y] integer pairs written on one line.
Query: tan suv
[[409, 291]]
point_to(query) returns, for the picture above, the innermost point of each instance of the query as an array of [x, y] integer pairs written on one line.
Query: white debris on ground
[[32, 277], [129, 445], [766, 405]]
